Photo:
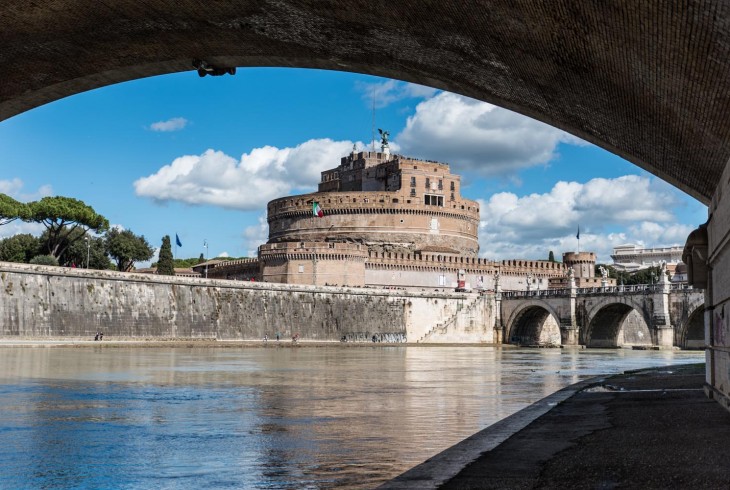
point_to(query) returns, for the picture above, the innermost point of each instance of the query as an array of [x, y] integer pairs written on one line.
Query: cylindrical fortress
[[583, 263], [380, 220]]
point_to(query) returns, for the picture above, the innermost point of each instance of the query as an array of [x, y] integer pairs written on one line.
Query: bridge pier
[[665, 337], [664, 331], [569, 335]]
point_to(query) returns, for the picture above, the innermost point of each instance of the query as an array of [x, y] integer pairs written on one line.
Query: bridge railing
[[629, 288], [537, 293]]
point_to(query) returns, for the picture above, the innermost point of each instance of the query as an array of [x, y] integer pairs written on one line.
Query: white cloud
[[248, 183], [173, 124], [478, 137], [256, 235], [532, 225], [17, 227], [390, 91], [13, 188]]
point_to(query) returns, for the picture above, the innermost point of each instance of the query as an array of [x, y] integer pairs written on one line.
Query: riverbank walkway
[[645, 429]]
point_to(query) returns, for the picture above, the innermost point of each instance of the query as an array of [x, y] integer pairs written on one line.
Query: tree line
[[74, 235]]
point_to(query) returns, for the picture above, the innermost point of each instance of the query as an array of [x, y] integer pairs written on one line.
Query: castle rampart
[[376, 219]]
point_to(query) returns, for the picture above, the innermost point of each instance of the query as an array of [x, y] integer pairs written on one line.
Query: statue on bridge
[[604, 272]]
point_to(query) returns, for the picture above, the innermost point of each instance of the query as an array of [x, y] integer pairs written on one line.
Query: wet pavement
[[646, 429]]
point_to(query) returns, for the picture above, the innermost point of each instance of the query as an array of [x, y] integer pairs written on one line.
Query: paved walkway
[[646, 429]]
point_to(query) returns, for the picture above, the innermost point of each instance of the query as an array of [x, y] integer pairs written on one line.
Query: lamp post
[[205, 244], [88, 250]]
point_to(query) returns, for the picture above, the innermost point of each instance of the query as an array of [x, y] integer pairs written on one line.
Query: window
[[301, 269], [441, 185], [413, 192], [428, 183], [453, 187], [430, 200], [413, 182], [452, 196]]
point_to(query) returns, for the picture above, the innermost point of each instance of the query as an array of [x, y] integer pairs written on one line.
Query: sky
[[201, 157]]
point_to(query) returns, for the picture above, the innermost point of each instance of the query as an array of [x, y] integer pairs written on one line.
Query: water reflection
[[265, 417]]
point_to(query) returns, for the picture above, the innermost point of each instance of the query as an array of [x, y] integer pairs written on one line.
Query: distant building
[[632, 258]]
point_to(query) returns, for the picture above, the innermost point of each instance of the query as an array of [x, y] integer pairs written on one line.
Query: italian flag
[[316, 210]]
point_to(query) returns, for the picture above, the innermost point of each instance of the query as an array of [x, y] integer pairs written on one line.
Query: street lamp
[[205, 244], [88, 250]]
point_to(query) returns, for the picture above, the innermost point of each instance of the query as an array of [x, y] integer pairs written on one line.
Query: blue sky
[[200, 157]]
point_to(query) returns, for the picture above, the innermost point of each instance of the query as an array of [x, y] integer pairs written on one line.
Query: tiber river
[[274, 417]]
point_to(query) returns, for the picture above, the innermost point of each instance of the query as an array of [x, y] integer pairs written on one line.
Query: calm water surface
[[306, 417]]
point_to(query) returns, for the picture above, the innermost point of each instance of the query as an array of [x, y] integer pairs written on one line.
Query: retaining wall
[[42, 301]]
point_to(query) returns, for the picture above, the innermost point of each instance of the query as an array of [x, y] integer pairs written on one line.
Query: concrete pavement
[[645, 429]]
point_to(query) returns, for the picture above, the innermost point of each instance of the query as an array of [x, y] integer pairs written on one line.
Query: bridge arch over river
[[660, 315], [617, 324], [535, 322]]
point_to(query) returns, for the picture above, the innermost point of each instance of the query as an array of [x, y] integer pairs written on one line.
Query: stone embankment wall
[[40, 301]]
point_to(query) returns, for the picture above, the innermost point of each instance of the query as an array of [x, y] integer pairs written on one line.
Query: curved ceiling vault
[[645, 80]]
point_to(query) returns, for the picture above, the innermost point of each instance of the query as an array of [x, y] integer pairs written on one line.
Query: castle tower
[[583, 263]]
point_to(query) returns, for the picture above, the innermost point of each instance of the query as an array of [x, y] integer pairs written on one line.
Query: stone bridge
[[660, 315]]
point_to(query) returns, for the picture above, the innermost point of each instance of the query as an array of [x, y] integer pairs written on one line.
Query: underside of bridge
[[535, 326], [617, 325], [645, 80]]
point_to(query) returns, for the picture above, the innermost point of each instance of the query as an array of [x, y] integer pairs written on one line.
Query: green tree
[[10, 210], [44, 260], [165, 264], [19, 248], [551, 256], [89, 248], [650, 275], [62, 216], [126, 248]]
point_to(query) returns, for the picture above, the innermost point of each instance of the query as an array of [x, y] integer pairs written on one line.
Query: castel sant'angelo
[[384, 220]]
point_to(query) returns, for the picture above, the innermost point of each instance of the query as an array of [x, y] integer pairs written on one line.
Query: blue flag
[[177, 240]]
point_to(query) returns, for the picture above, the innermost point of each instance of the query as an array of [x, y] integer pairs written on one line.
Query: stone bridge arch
[[534, 323], [616, 323], [690, 332]]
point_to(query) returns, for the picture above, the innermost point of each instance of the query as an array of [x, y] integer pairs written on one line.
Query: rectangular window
[[428, 183], [453, 188], [452, 196], [430, 200], [441, 185], [413, 192], [413, 182], [301, 269]]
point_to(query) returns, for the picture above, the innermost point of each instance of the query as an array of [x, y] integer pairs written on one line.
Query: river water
[[274, 417]]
